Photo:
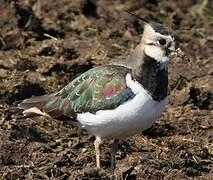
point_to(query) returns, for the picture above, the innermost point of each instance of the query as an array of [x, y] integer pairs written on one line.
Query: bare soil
[[45, 44]]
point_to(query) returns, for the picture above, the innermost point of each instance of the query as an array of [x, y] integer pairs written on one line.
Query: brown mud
[[45, 44]]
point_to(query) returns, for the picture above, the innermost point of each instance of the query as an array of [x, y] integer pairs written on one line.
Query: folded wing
[[100, 88]]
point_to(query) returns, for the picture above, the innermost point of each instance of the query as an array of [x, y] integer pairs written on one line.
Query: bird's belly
[[130, 118]]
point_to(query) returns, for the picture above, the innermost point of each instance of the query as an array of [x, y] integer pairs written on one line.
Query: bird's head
[[160, 42]]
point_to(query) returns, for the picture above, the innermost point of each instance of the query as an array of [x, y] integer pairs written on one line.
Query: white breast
[[130, 118]]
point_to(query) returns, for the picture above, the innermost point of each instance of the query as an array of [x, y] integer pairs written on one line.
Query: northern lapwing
[[119, 99]]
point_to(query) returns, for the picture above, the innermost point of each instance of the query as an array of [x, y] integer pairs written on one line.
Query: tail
[[35, 105], [49, 105]]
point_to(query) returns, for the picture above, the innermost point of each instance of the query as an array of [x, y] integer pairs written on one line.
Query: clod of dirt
[[26, 91], [70, 53], [203, 100], [10, 36], [47, 51], [28, 21], [89, 8], [30, 133], [13, 153], [26, 64]]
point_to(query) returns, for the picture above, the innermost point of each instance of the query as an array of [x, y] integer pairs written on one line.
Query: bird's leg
[[114, 148], [97, 151]]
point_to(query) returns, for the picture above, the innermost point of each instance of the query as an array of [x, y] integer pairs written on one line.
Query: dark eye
[[162, 42]]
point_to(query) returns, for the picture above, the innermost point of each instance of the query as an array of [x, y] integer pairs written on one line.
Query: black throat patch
[[153, 78]]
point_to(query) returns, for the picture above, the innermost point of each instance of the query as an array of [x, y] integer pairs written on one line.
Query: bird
[[119, 99]]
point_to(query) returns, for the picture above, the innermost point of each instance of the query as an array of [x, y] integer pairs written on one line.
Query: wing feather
[[100, 88]]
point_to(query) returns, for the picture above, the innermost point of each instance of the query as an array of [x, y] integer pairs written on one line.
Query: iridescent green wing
[[100, 88]]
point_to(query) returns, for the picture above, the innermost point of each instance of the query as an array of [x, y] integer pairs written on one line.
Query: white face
[[158, 46]]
